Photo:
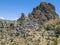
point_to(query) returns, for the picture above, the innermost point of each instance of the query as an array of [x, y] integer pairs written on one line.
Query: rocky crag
[[41, 27]]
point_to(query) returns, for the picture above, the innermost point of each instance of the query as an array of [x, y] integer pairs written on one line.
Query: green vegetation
[[41, 27], [17, 34], [11, 26]]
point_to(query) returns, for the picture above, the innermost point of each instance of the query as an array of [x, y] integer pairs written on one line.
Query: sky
[[12, 9]]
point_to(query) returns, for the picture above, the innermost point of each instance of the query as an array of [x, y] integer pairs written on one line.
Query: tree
[[57, 30], [12, 26], [22, 16], [30, 16], [1, 24], [21, 19]]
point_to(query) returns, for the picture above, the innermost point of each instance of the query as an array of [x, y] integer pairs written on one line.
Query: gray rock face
[[43, 12]]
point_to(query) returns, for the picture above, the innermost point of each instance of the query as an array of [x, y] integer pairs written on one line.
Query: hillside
[[41, 27]]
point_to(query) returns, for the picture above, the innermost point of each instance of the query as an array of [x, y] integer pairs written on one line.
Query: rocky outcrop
[[40, 25], [43, 12]]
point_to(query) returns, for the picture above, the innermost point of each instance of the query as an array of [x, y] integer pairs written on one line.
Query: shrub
[[11, 40], [17, 34]]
